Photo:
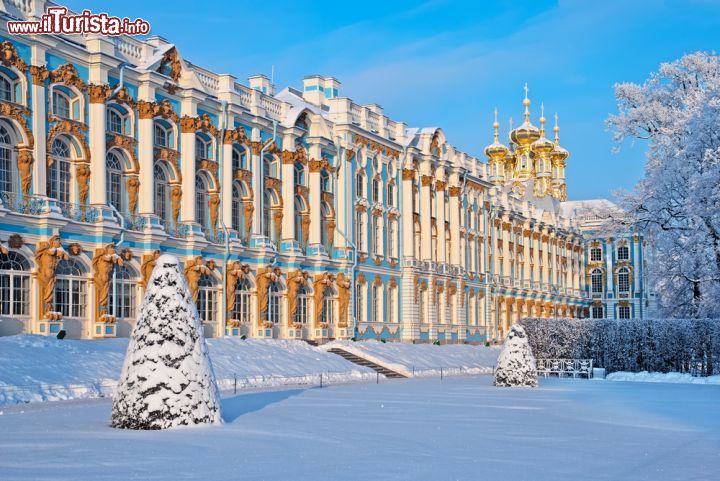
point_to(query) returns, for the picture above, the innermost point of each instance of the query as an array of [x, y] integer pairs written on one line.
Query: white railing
[[271, 106], [245, 95], [565, 367], [209, 80], [130, 48]]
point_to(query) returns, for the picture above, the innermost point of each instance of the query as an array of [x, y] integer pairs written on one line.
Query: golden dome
[[496, 150], [542, 145], [558, 152], [526, 133]]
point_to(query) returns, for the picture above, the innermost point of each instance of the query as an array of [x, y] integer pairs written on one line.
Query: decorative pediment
[[193, 124], [163, 109], [123, 97], [236, 136], [361, 141], [171, 66], [65, 126], [18, 114], [10, 58], [66, 74], [126, 143]]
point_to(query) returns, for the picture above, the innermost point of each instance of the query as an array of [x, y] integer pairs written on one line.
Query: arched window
[[392, 240], [359, 303], [207, 299], [418, 242], [391, 195], [58, 180], [392, 303], [325, 184], [300, 211], [377, 235], [596, 284], [71, 289], [377, 303], [14, 285], [623, 279], [114, 173], [116, 121], [299, 173], [360, 234], [239, 159], [125, 289], [328, 314], [623, 253], [203, 148], [273, 312], [162, 135], [162, 192], [6, 161], [237, 211], [6, 89], [360, 185], [270, 166], [201, 200], [303, 303], [61, 104], [242, 311], [267, 213], [325, 216]]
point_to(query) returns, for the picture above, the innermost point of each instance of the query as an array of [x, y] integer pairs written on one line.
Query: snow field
[[37, 368], [424, 360]]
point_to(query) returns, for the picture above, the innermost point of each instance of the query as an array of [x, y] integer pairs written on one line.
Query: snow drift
[[167, 378]]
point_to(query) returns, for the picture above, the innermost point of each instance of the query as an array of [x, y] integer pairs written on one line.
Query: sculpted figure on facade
[[147, 266], [175, 198], [322, 282], [295, 280], [248, 211], [103, 263], [24, 164], [236, 271], [343, 287], [47, 257], [132, 186], [214, 205], [194, 270], [82, 174], [265, 276]]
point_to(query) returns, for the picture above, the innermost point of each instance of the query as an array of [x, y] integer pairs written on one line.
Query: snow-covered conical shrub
[[167, 379], [516, 364]]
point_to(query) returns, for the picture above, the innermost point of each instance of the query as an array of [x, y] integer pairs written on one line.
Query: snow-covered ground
[[461, 428], [37, 368], [424, 360], [674, 377]]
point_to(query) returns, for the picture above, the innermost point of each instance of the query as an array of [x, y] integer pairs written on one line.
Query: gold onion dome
[[542, 145], [496, 150], [558, 153], [526, 133]]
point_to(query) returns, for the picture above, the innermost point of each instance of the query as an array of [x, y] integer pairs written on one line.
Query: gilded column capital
[[426, 180], [39, 74], [440, 185], [98, 94], [454, 191], [315, 165]]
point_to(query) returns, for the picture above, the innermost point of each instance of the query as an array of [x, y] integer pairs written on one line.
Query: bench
[[565, 367]]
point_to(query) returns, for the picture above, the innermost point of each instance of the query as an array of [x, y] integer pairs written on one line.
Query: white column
[[341, 200], [408, 226], [636, 263], [288, 196], [315, 245], [187, 167], [440, 197], [454, 193], [227, 180], [426, 216], [258, 183], [38, 106], [98, 191], [147, 164], [608, 265]]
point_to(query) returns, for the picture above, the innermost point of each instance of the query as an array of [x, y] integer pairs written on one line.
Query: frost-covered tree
[[677, 203], [167, 379], [516, 363]]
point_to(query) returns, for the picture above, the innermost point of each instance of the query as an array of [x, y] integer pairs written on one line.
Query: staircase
[[364, 362]]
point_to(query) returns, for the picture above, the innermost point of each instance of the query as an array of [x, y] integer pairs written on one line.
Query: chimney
[[262, 83], [318, 89]]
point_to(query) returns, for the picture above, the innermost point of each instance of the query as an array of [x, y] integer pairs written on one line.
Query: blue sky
[[449, 63]]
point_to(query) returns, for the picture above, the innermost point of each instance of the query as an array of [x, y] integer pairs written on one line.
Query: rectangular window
[[391, 306], [328, 314], [206, 304], [595, 254], [391, 239], [241, 310], [624, 312], [623, 253], [597, 312]]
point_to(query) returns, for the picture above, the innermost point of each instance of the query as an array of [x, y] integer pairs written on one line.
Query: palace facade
[[299, 214]]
